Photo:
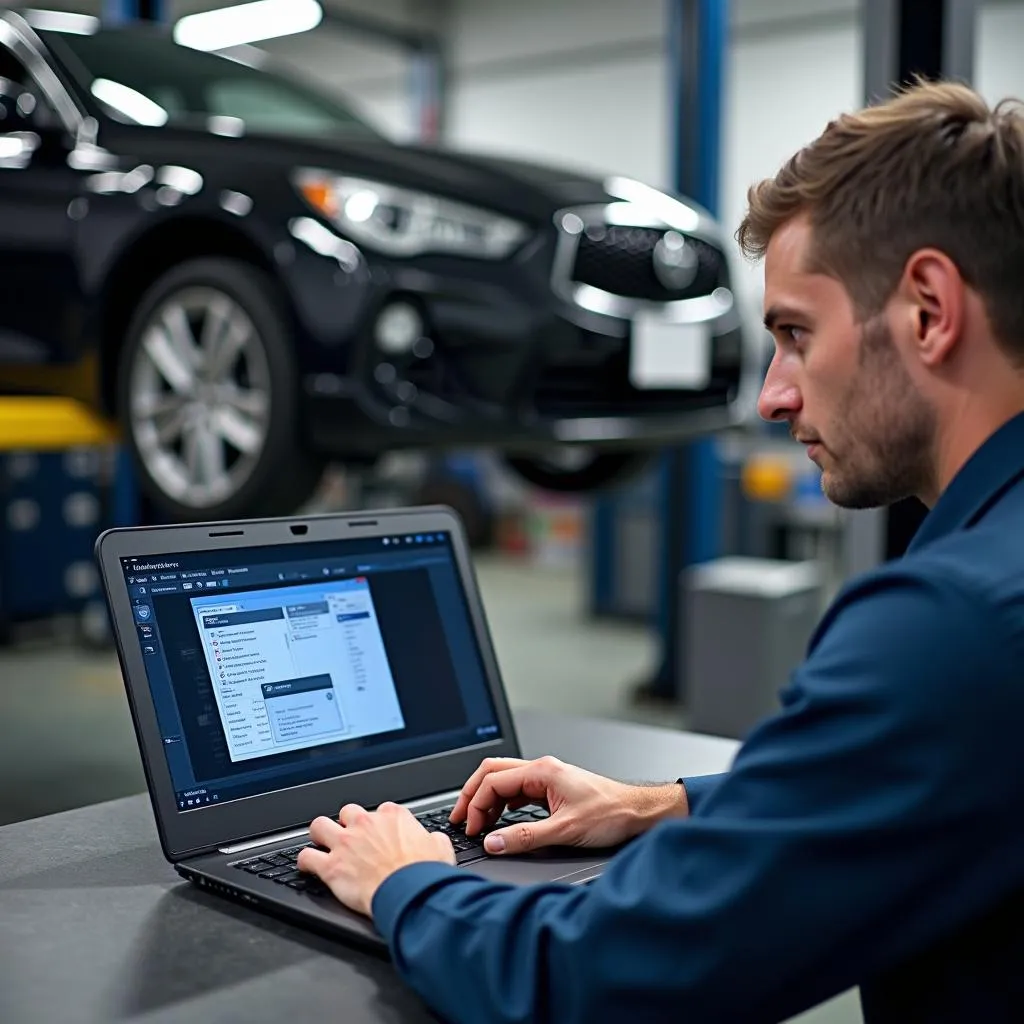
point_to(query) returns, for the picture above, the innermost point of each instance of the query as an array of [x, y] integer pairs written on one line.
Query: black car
[[253, 281]]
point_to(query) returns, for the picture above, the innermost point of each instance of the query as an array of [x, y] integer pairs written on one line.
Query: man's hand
[[365, 847], [585, 809]]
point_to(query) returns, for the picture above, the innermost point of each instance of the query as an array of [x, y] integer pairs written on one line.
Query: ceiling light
[[247, 23], [62, 21], [130, 102]]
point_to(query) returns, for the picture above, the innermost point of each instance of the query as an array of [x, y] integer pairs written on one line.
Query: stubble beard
[[883, 431]]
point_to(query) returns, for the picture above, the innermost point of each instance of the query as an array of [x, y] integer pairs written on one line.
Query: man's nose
[[780, 397]]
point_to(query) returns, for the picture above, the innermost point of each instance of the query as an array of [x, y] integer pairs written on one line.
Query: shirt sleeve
[[697, 788], [855, 826]]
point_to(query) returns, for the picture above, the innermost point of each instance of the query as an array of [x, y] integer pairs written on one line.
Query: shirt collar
[[981, 482]]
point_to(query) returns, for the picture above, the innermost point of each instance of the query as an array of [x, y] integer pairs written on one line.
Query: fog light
[[398, 328]]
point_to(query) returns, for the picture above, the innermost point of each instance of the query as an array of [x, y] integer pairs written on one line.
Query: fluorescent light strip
[[129, 102], [247, 23], [62, 21]]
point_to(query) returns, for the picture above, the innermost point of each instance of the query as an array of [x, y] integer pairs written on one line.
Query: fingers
[[497, 789], [324, 832], [444, 846], [351, 814], [488, 765], [525, 837], [312, 861]]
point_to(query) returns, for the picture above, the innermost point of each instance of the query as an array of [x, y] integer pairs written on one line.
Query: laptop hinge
[[253, 844]]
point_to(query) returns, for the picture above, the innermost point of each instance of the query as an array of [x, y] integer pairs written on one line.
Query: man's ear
[[933, 292]]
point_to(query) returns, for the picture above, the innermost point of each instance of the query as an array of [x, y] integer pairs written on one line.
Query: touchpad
[[572, 866]]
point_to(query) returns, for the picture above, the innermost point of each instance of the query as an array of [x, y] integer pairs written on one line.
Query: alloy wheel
[[199, 397]]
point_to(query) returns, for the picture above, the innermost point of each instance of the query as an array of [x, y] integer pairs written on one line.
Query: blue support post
[[119, 12], [690, 478], [426, 92]]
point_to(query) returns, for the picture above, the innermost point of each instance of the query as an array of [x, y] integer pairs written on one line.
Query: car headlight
[[402, 222]]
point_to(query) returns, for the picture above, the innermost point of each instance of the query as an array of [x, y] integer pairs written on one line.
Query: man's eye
[[795, 334]]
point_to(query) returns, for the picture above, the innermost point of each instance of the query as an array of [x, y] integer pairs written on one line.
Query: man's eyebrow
[[777, 313]]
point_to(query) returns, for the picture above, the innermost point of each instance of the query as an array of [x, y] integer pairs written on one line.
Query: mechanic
[[872, 832]]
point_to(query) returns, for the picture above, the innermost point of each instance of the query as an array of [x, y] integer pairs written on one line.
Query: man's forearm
[[655, 803]]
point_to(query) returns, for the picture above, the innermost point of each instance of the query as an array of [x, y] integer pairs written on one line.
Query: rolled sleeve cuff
[[401, 888], [697, 787]]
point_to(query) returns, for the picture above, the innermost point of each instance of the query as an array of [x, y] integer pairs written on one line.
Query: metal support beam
[[690, 479], [903, 39]]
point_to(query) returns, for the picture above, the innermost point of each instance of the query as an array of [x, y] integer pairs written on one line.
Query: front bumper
[[519, 360], [568, 386]]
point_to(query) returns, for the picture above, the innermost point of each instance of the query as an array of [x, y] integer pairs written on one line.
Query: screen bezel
[[189, 833]]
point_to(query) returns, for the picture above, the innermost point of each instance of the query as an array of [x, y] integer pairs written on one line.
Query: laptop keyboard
[[280, 866]]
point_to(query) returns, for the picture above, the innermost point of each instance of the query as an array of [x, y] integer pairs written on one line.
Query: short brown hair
[[932, 167]]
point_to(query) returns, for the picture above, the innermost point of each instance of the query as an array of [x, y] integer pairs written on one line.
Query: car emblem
[[675, 261]]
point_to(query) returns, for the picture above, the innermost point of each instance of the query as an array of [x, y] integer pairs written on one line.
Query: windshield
[[147, 78]]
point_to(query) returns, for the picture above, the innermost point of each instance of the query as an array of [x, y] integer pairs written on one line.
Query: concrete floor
[[66, 737]]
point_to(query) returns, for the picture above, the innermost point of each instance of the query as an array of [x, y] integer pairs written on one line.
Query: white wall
[[998, 62], [544, 80], [784, 86]]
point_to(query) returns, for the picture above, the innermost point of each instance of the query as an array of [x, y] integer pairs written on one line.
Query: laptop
[[279, 669]]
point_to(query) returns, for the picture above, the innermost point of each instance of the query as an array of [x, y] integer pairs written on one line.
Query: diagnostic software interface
[[271, 667]]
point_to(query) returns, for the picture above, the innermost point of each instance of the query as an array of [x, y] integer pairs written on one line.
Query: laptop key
[[471, 853], [275, 872], [291, 876]]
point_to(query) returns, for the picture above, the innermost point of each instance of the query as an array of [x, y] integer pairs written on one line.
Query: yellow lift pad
[[51, 424]]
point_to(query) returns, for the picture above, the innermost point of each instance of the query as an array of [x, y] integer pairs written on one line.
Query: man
[[871, 833]]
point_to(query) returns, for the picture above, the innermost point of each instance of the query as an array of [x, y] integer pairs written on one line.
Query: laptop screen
[[277, 666]]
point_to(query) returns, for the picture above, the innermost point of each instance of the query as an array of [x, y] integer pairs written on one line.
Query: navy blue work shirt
[[871, 833]]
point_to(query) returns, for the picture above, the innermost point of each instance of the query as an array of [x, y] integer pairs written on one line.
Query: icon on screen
[[386, 541], [419, 538], [408, 540]]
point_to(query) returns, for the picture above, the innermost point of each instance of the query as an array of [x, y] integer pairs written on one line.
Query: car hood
[[514, 187]]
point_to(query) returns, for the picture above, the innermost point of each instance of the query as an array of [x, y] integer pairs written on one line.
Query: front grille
[[620, 260]]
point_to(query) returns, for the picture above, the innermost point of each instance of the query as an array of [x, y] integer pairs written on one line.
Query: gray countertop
[[96, 927]]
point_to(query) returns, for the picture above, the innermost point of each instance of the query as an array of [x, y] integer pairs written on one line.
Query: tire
[[208, 396], [603, 469], [477, 518]]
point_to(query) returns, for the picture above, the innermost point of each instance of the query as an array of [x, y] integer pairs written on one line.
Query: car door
[[41, 300]]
